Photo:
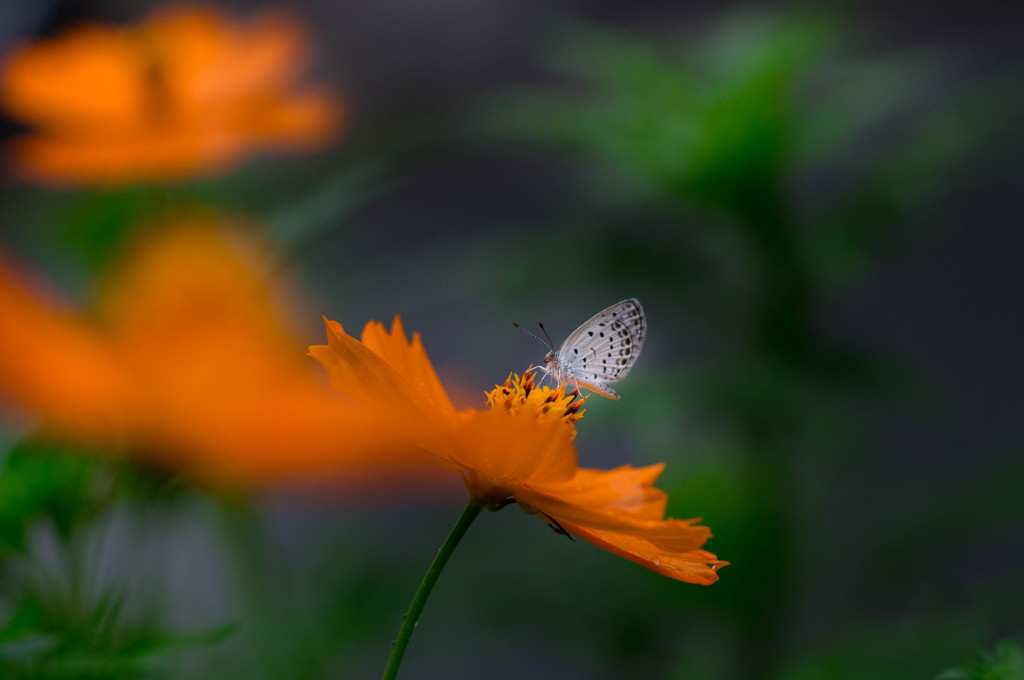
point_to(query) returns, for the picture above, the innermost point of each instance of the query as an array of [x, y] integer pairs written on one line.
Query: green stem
[[473, 508]]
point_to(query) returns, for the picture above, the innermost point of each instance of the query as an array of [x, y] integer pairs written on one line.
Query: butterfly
[[599, 352]]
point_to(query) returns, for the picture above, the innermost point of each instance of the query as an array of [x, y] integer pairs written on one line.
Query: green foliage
[[750, 123], [68, 488], [57, 633], [714, 126], [1005, 662], [891, 652], [310, 213], [57, 617], [48, 638], [39, 480], [85, 230]]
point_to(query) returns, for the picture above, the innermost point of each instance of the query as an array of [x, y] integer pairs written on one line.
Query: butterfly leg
[[534, 369]]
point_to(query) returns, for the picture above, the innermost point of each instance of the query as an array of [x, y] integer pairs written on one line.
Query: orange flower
[[185, 362], [519, 450], [185, 93]]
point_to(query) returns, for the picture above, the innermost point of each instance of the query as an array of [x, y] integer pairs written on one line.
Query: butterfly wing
[[606, 346]]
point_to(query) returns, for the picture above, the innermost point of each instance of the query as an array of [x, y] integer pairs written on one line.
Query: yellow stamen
[[519, 393]]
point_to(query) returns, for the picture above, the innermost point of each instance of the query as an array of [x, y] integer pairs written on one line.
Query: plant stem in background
[[472, 509]]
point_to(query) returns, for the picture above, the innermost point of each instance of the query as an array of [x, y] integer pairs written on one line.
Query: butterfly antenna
[[551, 343], [535, 336]]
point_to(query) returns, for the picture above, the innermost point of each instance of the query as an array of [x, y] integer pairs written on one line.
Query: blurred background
[[819, 209]]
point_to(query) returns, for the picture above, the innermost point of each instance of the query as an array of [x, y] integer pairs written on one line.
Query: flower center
[[519, 394]]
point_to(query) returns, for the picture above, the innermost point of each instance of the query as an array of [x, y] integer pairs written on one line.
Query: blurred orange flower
[[519, 450], [184, 93], [185, 363]]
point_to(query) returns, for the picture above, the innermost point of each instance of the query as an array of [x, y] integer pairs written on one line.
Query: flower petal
[[626, 488], [694, 566], [88, 78], [410, 360], [505, 451], [359, 372], [54, 365], [189, 365], [623, 501], [226, 389], [186, 93], [110, 160]]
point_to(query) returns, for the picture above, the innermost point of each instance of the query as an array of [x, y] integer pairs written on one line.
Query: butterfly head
[[549, 357]]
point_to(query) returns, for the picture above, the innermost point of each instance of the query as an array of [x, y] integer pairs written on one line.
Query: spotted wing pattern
[[603, 349]]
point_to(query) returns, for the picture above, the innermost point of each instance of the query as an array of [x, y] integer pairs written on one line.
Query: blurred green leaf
[[68, 487], [41, 480], [309, 212], [907, 176], [891, 652], [65, 614], [77, 233], [49, 638], [714, 128], [1005, 662]]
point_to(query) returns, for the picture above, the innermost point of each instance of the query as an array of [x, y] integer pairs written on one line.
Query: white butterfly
[[601, 351]]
